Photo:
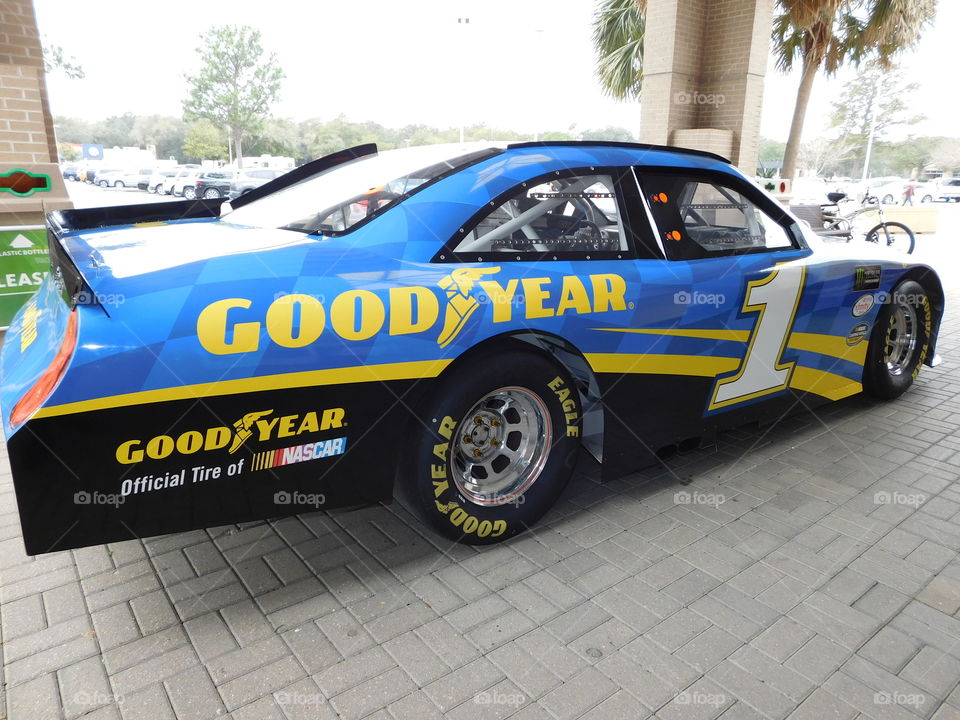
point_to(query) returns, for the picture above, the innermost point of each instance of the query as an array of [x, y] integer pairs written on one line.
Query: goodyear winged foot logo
[[460, 303]]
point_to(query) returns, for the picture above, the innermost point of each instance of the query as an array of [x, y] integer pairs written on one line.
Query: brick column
[[704, 64], [27, 140]]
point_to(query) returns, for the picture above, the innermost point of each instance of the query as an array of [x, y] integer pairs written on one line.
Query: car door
[[739, 271]]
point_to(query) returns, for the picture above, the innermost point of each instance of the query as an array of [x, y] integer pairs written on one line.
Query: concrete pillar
[[27, 141], [703, 67]]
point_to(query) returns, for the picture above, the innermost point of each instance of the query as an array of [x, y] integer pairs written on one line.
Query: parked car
[[70, 172], [212, 184], [95, 173], [247, 180], [949, 189], [183, 185], [155, 181], [123, 178], [523, 301]]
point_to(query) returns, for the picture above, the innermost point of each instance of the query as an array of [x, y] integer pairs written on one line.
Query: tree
[[236, 84], [68, 153], [204, 141], [54, 58], [820, 35], [825, 34], [618, 30]]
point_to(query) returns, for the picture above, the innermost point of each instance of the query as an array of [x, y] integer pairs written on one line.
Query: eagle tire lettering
[[432, 484]]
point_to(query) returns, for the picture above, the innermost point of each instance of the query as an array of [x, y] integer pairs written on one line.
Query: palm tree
[[823, 35], [618, 30], [819, 34]]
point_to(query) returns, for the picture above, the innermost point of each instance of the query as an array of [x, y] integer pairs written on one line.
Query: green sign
[[23, 264]]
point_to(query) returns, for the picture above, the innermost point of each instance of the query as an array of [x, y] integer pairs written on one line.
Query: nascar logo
[[299, 453]]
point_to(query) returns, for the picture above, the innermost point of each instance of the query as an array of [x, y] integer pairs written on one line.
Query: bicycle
[[835, 224]]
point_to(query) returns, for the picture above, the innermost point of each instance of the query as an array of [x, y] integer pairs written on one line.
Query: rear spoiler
[[98, 217], [314, 167]]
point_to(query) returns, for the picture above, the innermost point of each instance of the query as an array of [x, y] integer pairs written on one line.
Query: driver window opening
[[569, 214]]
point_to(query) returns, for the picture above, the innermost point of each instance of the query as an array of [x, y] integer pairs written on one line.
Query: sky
[[526, 65]]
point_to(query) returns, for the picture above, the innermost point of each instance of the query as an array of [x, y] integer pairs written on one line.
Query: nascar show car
[[450, 323]]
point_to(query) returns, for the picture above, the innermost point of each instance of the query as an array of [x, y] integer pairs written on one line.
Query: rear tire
[[899, 343], [498, 443], [190, 193], [211, 194]]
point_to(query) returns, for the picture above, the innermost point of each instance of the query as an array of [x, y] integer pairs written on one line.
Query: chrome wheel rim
[[901, 338], [501, 446]]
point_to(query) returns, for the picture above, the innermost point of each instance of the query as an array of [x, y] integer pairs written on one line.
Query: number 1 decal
[[762, 372]]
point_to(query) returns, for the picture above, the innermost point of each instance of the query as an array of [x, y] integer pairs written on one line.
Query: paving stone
[[193, 695], [262, 681], [579, 694], [371, 694], [344, 675], [933, 671], [890, 649], [23, 617], [84, 687], [463, 684], [942, 593], [708, 648]]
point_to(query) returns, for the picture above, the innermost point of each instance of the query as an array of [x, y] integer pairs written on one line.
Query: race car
[[451, 324]]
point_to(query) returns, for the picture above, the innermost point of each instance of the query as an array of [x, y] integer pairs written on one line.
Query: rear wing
[[68, 276], [99, 217]]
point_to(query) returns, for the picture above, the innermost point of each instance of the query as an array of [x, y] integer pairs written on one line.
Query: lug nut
[[478, 420], [495, 422], [467, 438], [495, 442], [477, 453]]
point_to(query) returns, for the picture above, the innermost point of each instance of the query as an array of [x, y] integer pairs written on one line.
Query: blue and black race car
[[451, 323]]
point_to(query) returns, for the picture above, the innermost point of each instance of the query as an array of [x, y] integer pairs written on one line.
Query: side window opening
[[561, 214], [700, 217]]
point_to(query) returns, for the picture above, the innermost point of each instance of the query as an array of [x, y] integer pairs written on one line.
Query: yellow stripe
[[822, 383], [832, 345], [734, 335], [312, 378], [701, 365]]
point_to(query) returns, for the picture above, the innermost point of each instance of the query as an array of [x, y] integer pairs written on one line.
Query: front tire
[[190, 193], [899, 343], [499, 442], [894, 235]]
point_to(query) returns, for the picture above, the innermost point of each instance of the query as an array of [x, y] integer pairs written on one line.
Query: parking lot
[[807, 569]]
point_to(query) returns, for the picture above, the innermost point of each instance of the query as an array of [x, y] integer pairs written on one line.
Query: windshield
[[337, 200]]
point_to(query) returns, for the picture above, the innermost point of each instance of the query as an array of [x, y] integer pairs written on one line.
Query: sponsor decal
[[234, 325], [261, 424], [298, 453], [863, 305], [28, 326], [857, 333], [867, 277]]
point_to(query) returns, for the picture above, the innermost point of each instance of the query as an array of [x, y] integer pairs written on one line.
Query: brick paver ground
[[808, 571]]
